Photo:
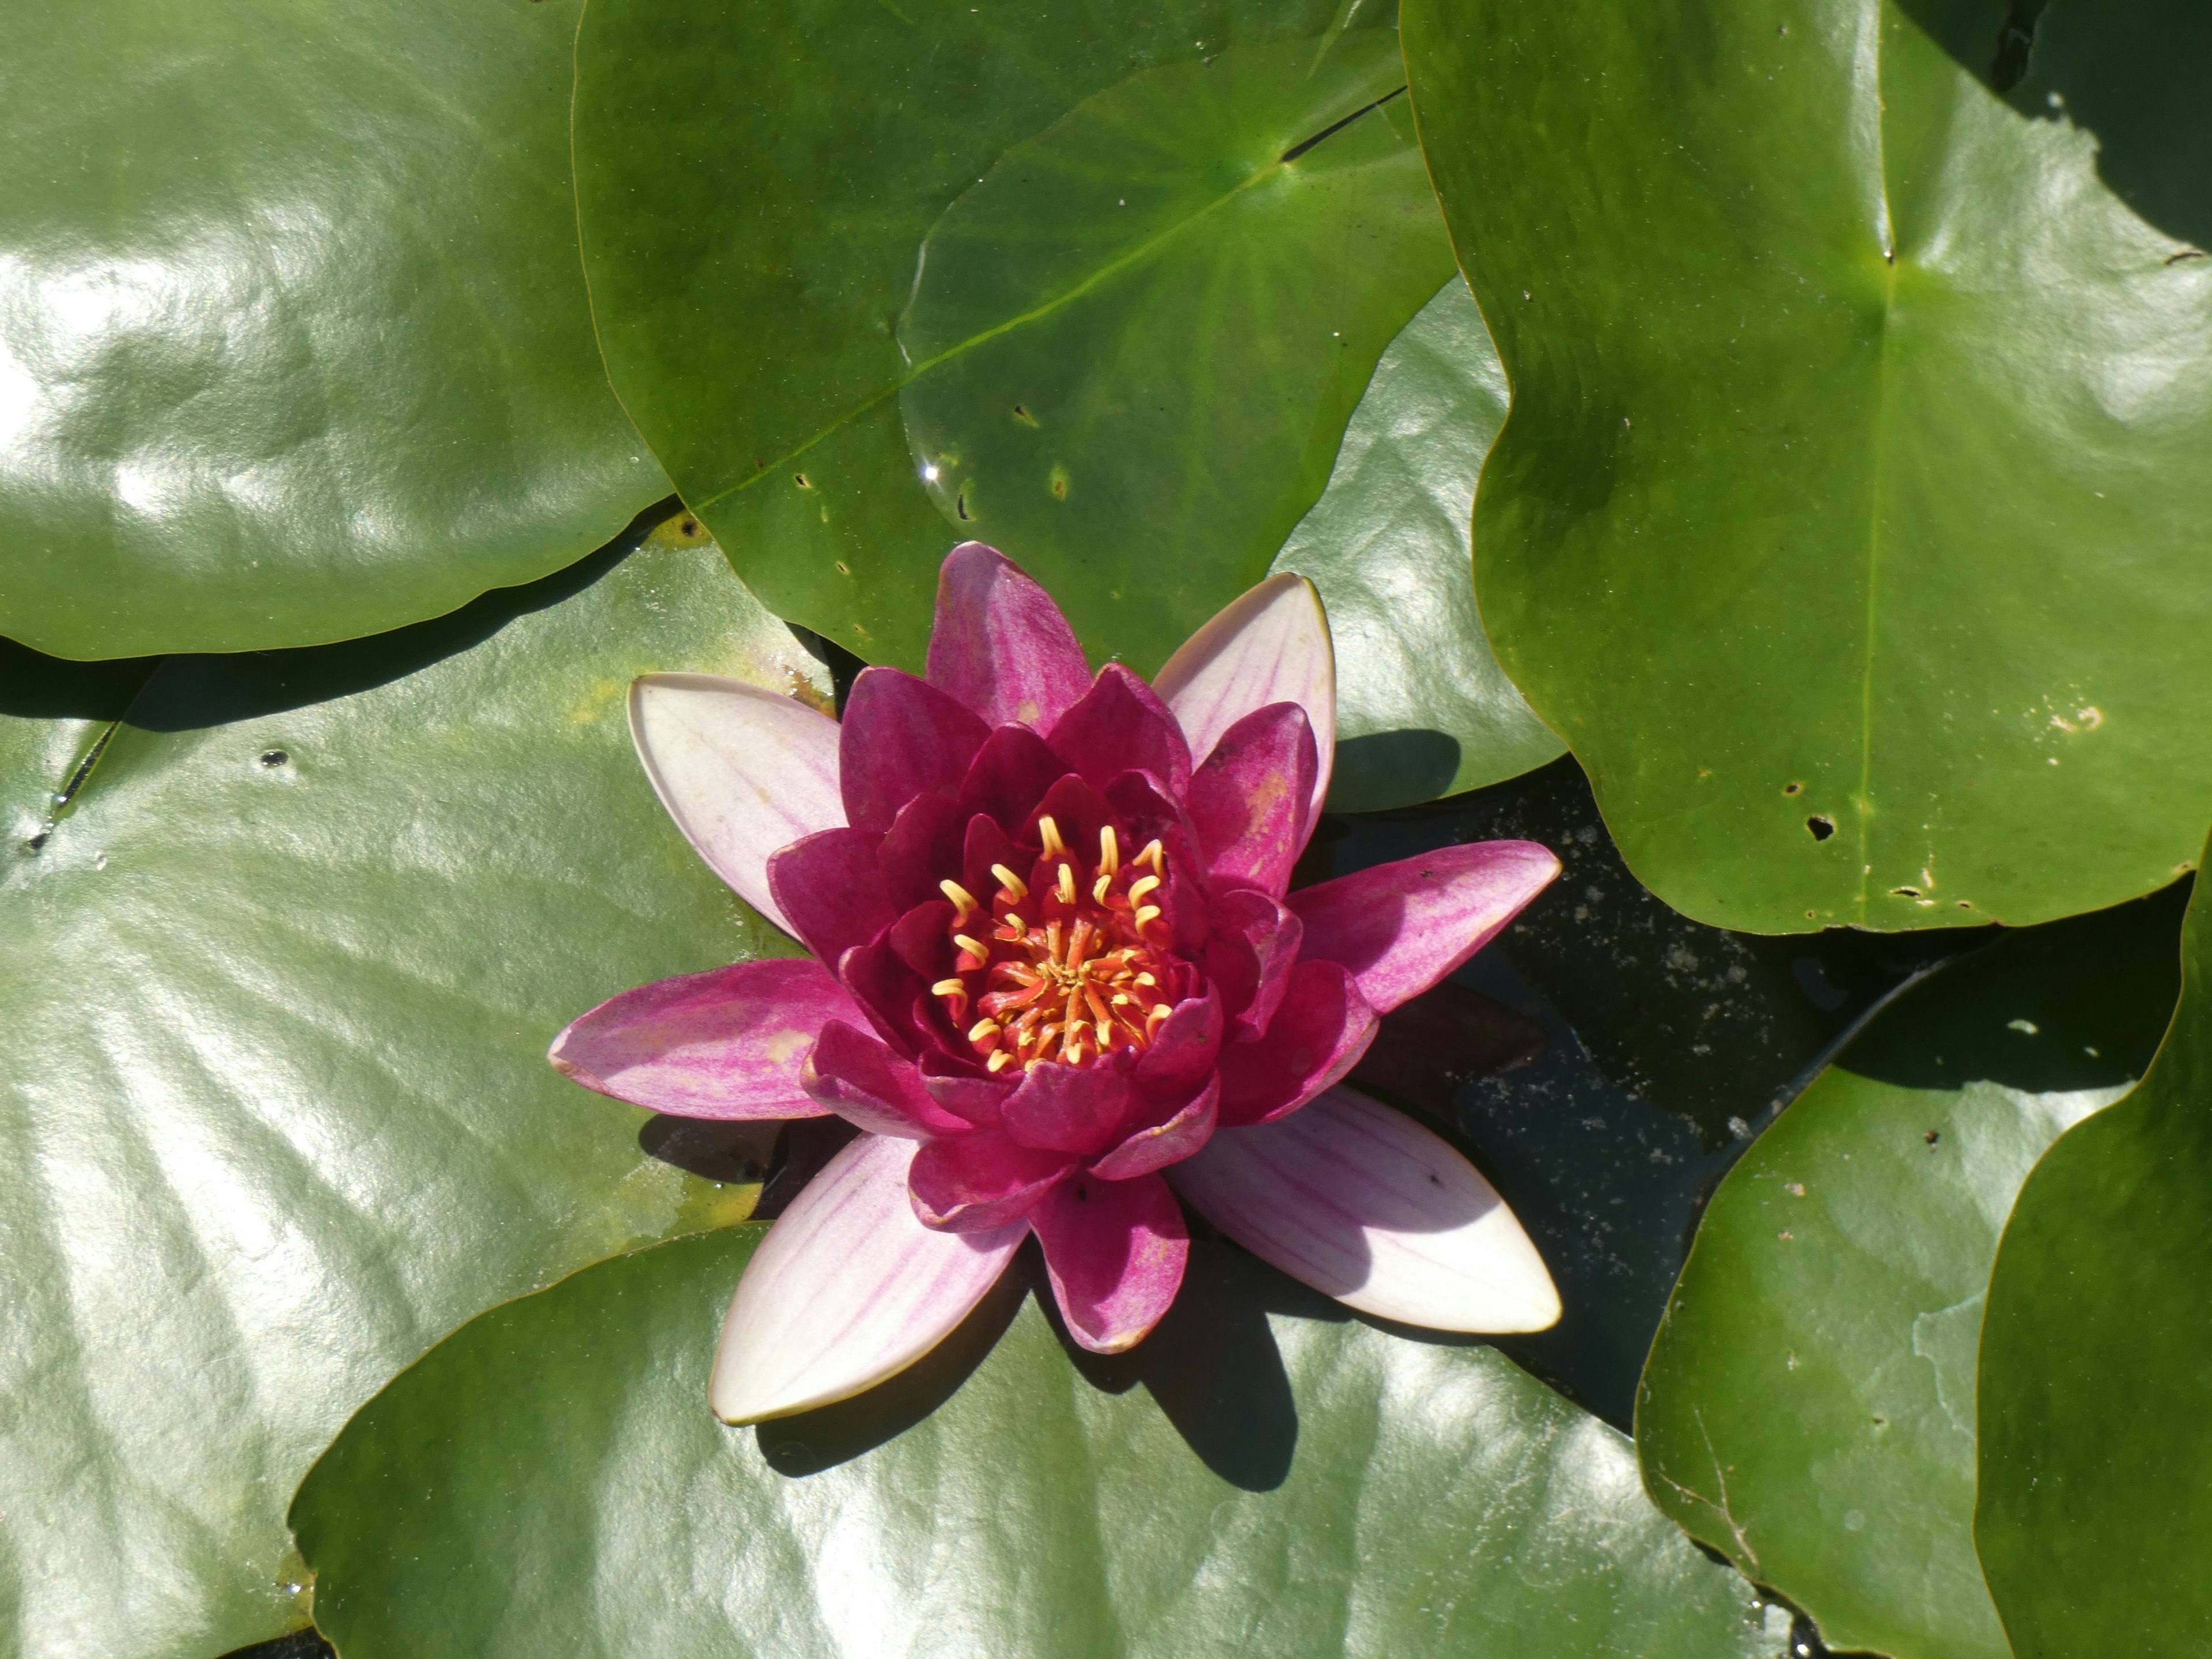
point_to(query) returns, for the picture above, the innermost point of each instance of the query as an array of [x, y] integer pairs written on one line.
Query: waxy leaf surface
[[295, 345], [1287, 1480], [1422, 707], [2096, 1451], [1848, 521], [273, 1094], [1072, 300], [1808, 1408]]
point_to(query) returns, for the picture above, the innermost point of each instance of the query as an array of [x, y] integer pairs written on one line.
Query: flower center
[[1068, 966]]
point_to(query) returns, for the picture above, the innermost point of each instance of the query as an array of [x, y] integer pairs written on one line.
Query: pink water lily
[[1058, 979]]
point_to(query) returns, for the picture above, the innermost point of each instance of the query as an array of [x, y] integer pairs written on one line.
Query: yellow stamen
[[1146, 980], [949, 987], [1053, 846], [1098, 888], [982, 1028], [1150, 913], [1017, 889], [1016, 925], [1142, 885], [1067, 884], [999, 1061], [1109, 849], [962, 900], [1155, 855], [981, 953]]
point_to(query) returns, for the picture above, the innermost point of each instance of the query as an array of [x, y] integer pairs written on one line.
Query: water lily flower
[[1057, 978]]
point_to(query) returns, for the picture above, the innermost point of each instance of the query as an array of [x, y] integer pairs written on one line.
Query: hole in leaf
[[1821, 825], [1933, 1136], [688, 527], [960, 507], [274, 757], [799, 478], [1793, 788], [1905, 892]]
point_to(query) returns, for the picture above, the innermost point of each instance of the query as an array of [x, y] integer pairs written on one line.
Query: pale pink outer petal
[[847, 1288], [1364, 1203], [1269, 644], [742, 771]]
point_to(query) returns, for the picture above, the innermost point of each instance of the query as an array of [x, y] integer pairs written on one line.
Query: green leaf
[[1287, 1480], [297, 347], [1849, 522], [1423, 708], [273, 1094], [2096, 1459], [1059, 262], [1808, 1408]]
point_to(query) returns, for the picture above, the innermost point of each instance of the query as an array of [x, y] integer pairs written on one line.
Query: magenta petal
[[900, 737], [1070, 1109], [1318, 1034], [973, 1100], [1183, 1049], [885, 990], [1010, 774], [999, 644], [921, 846], [1248, 956], [1364, 1203], [847, 1288], [1401, 927], [851, 1073], [744, 772], [726, 1044], [1114, 1251], [1178, 1135], [1121, 725], [830, 889], [974, 1183], [1250, 803], [1270, 644]]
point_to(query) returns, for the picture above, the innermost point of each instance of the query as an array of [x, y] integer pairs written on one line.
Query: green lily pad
[[1053, 283], [2096, 1457], [1809, 1408], [1286, 1480], [297, 346], [275, 1109], [1848, 523], [1423, 709]]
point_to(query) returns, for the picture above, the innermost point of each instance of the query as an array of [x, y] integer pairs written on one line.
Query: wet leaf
[[1809, 1408], [1848, 524], [1261, 1475], [279, 985], [297, 349]]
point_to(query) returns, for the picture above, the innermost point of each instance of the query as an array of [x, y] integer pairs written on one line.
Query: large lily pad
[[1287, 1480], [1422, 707], [1848, 524], [1809, 1408], [2096, 1448], [296, 345], [1102, 287], [273, 1100]]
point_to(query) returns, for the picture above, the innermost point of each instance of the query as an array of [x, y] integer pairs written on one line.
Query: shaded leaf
[[1287, 1480], [297, 348], [1809, 1408], [1075, 301], [1848, 522], [2095, 1494], [1423, 709], [275, 1107]]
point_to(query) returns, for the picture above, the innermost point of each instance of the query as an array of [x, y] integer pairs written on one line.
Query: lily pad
[[2096, 1457], [297, 348], [276, 1110], [1809, 1408], [1423, 709], [1848, 525], [1286, 1480], [1101, 287]]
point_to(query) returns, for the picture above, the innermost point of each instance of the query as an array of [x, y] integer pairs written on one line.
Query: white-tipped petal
[[744, 772], [1364, 1203], [847, 1288], [1269, 644]]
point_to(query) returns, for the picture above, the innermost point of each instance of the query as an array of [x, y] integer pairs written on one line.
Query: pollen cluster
[[1068, 966]]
